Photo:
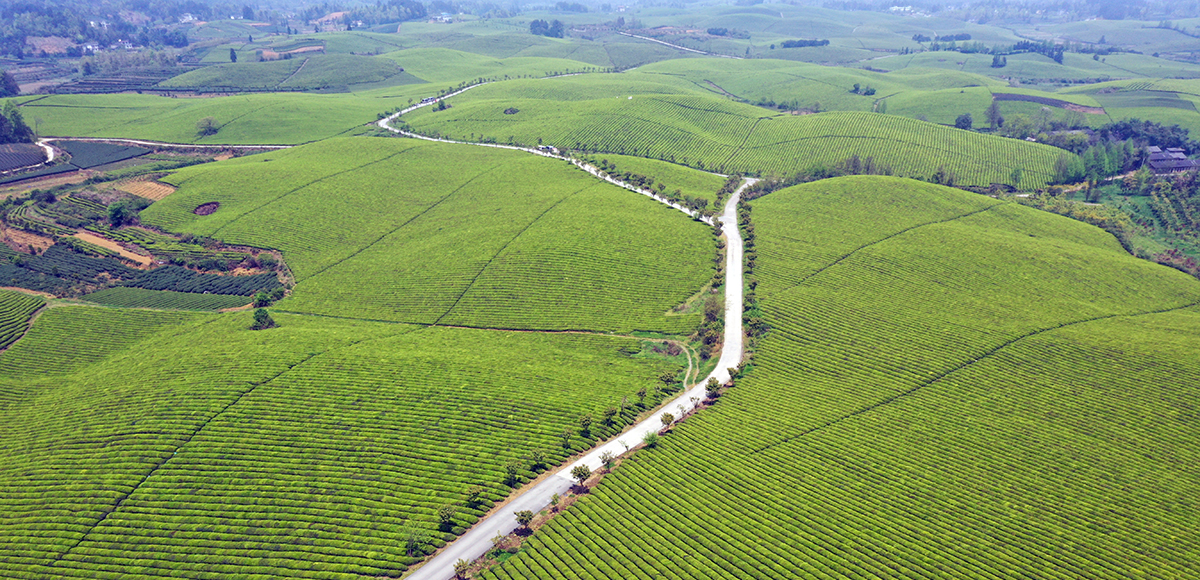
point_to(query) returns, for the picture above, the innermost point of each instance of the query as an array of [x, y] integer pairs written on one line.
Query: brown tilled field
[[147, 189]]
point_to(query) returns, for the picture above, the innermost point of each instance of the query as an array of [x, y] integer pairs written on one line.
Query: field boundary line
[[893, 398], [742, 145], [313, 182], [410, 220], [847, 255], [294, 73], [475, 278]]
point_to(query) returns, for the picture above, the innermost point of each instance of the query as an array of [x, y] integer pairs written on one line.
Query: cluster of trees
[[570, 7], [728, 32], [553, 29], [8, 85], [12, 125], [1104, 159], [113, 62], [804, 43], [860, 90]]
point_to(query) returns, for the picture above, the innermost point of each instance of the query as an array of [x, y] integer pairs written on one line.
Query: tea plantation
[[187, 442], [951, 387], [535, 243], [716, 134]]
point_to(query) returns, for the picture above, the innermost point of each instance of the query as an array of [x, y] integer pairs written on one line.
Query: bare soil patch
[[25, 241], [206, 208], [148, 189], [114, 246]]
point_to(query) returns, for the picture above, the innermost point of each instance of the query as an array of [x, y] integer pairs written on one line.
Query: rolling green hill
[[451, 234], [142, 444], [951, 387], [717, 134]]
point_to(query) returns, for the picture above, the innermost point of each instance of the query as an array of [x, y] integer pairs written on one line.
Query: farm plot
[[926, 405], [165, 299], [85, 154], [15, 310], [18, 155], [392, 211], [152, 190], [192, 443]]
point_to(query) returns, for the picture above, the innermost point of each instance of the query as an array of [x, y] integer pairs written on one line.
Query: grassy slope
[[241, 447], [722, 135], [982, 395], [451, 233]]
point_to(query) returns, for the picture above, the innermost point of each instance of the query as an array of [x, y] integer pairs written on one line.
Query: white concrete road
[[477, 541]]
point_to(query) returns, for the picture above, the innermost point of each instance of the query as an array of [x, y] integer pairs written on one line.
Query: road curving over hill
[[478, 540]]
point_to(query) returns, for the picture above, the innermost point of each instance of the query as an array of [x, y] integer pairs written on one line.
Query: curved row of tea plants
[[15, 310], [977, 391]]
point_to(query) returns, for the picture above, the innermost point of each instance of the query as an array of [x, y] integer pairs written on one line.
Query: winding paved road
[[478, 540]]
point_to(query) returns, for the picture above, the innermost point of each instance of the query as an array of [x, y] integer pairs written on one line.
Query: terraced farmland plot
[[305, 451], [999, 395], [15, 310], [513, 240]]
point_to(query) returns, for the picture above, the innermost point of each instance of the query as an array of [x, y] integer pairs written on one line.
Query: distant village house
[[1172, 160]]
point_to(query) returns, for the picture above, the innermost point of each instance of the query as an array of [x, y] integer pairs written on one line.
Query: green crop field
[[15, 310], [304, 72], [952, 387], [392, 210], [152, 444], [713, 133], [244, 119], [164, 299]]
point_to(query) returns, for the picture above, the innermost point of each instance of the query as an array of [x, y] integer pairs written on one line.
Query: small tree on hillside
[[512, 472], [610, 415], [207, 126], [566, 438], [585, 424], [712, 388], [667, 419], [262, 320], [8, 85], [446, 515], [581, 473], [964, 122], [994, 117], [474, 495], [524, 518], [232, 55], [461, 567]]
